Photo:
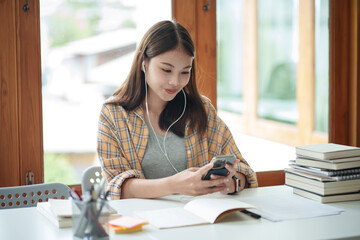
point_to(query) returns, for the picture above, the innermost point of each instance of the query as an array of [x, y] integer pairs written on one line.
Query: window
[[87, 51], [229, 55], [278, 52], [22, 146], [321, 65], [277, 88]]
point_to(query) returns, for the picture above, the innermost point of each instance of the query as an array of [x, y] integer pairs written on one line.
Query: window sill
[[263, 155]]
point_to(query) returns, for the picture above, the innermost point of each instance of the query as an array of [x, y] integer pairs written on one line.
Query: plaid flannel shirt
[[123, 136]]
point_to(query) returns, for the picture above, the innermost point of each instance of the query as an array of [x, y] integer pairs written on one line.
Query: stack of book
[[325, 172], [59, 212]]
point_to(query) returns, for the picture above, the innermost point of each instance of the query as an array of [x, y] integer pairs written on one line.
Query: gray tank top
[[155, 164]]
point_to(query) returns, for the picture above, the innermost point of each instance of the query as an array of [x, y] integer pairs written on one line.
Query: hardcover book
[[327, 198], [327, 165], [327, 151], [45, 209], [59, 212], [321, 185], [338, 175]]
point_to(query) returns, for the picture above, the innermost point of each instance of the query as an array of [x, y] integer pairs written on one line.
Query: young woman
[[157, 134]]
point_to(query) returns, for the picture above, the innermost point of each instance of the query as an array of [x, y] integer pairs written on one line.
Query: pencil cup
[[87, 223]]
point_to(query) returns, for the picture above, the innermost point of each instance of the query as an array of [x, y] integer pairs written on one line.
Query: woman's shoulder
[[113, 108], [205, 99], [120, 111], [109, 99], [208, 105]]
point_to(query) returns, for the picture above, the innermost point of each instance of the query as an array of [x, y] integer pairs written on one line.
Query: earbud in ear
[[143, 65]]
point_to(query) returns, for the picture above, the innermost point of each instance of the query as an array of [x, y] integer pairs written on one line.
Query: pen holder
[[87, 222]]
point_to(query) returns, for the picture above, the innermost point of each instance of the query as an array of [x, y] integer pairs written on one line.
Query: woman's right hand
[[189, 182]]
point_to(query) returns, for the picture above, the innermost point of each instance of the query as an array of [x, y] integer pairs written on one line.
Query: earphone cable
[[167, 130]]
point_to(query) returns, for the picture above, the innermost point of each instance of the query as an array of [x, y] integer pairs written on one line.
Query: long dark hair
[[162, 37]]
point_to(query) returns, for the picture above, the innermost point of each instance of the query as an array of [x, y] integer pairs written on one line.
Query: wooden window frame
[[201, 25], [303, 132], [344, 111], [21, 142], [249, 123], [343, 83]]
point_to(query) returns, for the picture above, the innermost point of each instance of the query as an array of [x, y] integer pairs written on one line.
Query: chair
[[91, 175], [30, 195]]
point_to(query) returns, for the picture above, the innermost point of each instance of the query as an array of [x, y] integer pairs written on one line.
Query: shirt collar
[[138, 111]]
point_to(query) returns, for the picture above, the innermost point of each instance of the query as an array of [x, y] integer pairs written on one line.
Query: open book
[[195, 212]]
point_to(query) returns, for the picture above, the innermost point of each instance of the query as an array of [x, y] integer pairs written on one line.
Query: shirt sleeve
[[112, 155], [223, 143], [229, 147]]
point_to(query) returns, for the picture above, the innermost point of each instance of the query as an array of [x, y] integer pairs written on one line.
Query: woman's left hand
[[230, 185]]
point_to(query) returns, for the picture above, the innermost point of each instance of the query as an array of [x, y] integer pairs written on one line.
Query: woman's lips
[[171, 91]]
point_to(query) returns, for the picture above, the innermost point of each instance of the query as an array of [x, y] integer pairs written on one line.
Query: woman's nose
[[174, 80]]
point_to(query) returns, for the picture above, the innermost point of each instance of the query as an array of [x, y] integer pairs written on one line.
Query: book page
[[211, 208], [170, 217], [280, 207]]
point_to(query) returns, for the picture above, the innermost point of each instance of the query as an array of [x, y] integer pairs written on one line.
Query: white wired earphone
[[167, 130]]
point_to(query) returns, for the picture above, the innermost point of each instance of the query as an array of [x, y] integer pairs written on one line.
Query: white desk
[[27, 223]]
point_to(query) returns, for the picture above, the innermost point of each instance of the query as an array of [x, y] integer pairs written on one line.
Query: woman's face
[[167, 74]]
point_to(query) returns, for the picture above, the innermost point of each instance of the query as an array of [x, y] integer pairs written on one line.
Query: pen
[[99, 227], [99, 188], [93, 193], [251, 214]]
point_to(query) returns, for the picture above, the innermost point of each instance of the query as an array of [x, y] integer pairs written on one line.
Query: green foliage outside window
[[59, 169]]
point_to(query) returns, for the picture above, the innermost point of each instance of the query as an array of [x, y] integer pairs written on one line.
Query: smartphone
[[219, 166]]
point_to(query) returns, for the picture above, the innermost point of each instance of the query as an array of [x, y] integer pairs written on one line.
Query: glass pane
[[87, 50], [229, 26], [322, 65], [277, 59]]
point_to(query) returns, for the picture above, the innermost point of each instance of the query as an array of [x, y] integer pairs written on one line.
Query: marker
[[251, 214], [75, 194]]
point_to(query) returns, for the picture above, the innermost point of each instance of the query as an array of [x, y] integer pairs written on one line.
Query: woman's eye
[[166, 70], [185, 73]]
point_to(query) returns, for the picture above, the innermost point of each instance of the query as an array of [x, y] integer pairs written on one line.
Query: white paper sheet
[[288, 207]]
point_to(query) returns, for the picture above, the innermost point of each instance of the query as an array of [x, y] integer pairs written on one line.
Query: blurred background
[[88, 46], [87, 49]]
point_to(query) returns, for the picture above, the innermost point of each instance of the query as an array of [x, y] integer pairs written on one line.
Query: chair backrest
[[91, 175], [30, 195]]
